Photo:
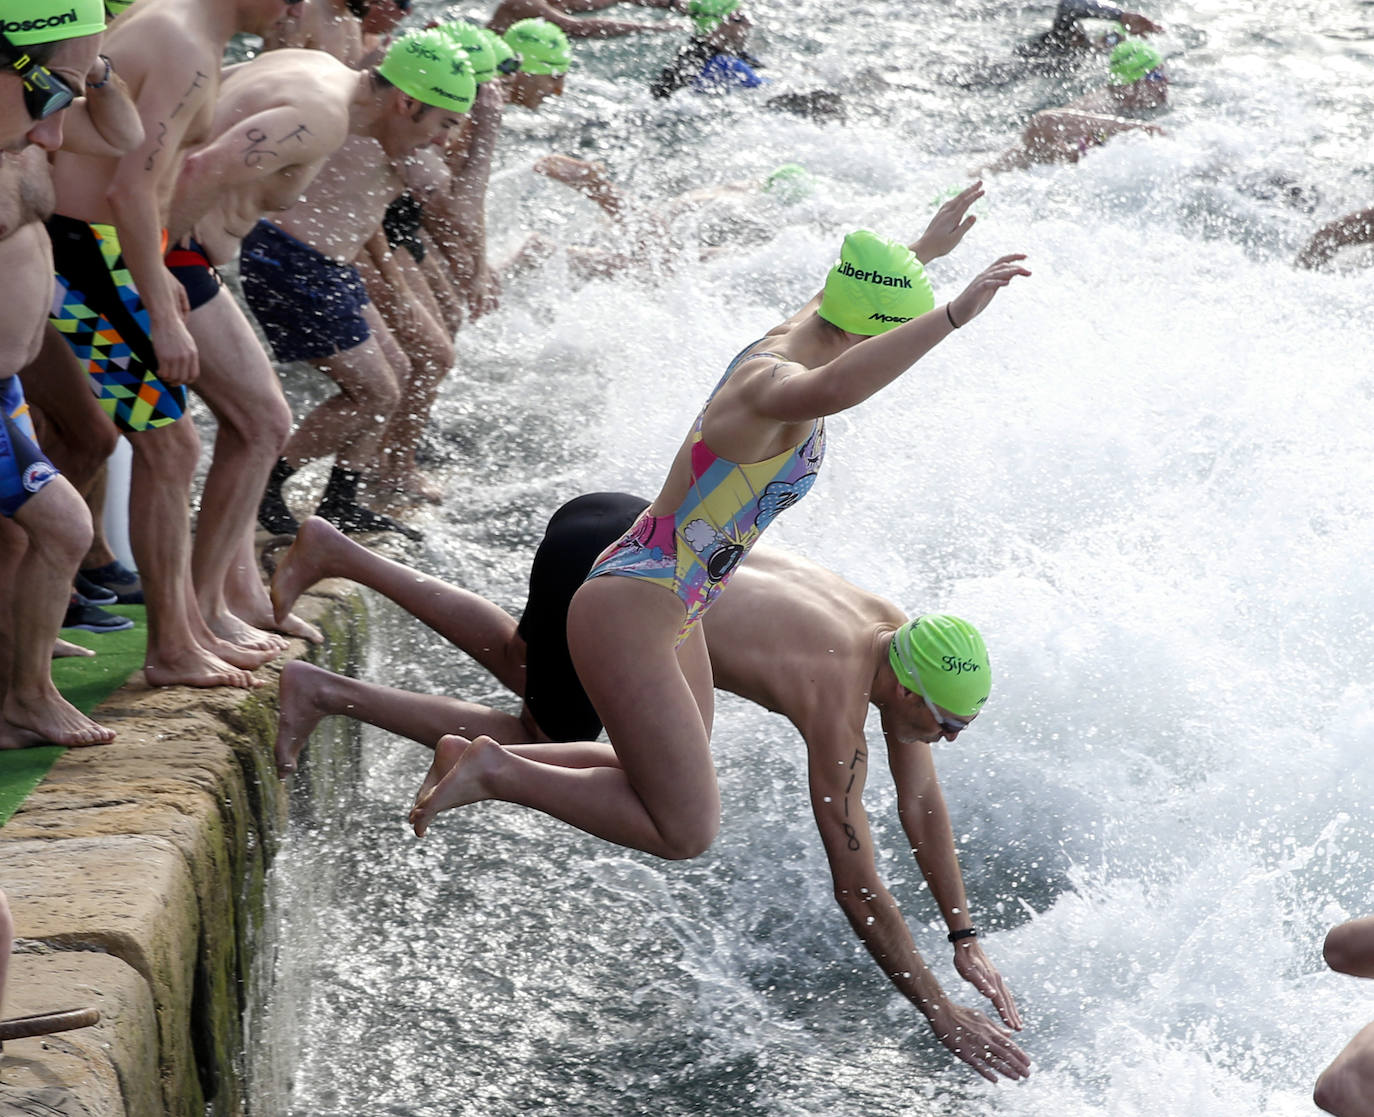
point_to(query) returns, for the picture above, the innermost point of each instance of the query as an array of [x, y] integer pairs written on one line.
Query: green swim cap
[[114, 7], [476, 44], [710, 14], [1131, 61], [431, 67], [943, 658], [877, 284], [541, 45], [505, 59], [790, 183], [26, 22]]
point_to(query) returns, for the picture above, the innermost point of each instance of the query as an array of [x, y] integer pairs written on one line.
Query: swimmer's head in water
[[943, 659], [476, 45], [876, 286], [114, 7], [1131, 61], [789, 184], [542, 46], [710, 14], [26, 22], [505, 59], [431, 67]]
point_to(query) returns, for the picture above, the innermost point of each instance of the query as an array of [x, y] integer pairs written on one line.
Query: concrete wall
[[135, 873]]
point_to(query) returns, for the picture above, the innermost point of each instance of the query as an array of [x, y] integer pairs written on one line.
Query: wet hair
[[359, 7]]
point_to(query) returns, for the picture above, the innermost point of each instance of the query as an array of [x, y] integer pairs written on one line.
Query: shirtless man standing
[[277, 121], [788, 635], [47, 58], [300, 281], [114, 283]]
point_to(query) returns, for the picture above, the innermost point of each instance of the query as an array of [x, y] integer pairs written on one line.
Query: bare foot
[[195, 667], [233, 629], [246, 659], [300, 568], [48, 719], [298, 714], [454, 779], [62, 649]]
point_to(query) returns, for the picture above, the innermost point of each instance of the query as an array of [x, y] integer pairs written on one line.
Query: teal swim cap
[[1131, 61], [431, 67], [790, 183], [541, 45], [943, 658], [26, 22], [710, 14], [877, 285], [478, 48]]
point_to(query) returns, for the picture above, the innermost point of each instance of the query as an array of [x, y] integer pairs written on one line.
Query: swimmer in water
[[634, 625], [1137, 83], [568, 16], [1346, 1087]]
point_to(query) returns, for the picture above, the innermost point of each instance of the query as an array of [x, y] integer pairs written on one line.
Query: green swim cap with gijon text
[[433, 68], [944, 659], [476, 44], [876, 286], [542, 46], [26, 22]]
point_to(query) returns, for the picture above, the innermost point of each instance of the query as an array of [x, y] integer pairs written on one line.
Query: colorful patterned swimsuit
[[693, 551]]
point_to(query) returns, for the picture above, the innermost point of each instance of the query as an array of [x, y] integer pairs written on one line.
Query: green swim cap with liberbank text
[[943, 658], [431, 67], [1131, 61], [710, 14], [542, 46], [26, 22], [877, 285]]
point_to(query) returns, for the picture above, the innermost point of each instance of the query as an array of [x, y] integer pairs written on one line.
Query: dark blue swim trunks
[[23, 468], [309, 306]]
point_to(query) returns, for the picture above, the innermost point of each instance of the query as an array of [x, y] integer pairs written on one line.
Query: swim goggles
[[509, 65], [44, 92], [947, 725], [1156, 75]]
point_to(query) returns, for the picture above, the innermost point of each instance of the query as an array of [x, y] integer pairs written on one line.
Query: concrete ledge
[[150, 856]]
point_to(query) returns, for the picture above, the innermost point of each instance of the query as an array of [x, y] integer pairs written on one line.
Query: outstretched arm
[[1353, 228], [838, 769], [558, 13], [925, 818], [791, 393]]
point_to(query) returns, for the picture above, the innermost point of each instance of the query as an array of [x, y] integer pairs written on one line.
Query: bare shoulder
[[154, 42]]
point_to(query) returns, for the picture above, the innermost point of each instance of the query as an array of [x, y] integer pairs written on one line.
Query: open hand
[[974, 967], [947, 228], [983, 1045], [969, 303]]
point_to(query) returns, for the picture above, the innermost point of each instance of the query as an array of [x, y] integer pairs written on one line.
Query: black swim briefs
[[577, 533]]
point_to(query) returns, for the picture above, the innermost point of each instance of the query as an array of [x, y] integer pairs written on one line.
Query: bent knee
[[689, 838], [1339, 1088]]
